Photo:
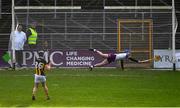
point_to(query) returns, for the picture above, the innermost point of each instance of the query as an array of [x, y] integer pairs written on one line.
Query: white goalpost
[[174, 28], [12, 34]]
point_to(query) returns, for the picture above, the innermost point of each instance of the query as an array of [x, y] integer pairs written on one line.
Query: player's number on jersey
[[39, 65]]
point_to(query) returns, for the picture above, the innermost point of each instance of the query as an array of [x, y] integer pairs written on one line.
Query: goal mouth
[[138, 28]]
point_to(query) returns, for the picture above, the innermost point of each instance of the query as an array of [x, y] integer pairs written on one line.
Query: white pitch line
[[84, 75]]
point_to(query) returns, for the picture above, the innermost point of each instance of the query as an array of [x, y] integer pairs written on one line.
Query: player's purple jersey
[[111, 57], [120, 56]]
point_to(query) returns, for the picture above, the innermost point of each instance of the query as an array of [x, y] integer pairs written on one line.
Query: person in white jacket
[[19, 40]]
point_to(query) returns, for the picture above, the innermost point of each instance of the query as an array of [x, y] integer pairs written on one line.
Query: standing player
[[109, 58], [40, 65]]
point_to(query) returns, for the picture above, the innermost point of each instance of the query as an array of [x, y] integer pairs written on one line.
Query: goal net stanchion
[[11, 46], [174, 28], [12, 34]]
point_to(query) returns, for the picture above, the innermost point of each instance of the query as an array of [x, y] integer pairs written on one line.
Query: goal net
[[137, 28]]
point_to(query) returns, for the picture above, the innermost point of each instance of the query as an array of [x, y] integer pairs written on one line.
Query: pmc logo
[[54, 56]]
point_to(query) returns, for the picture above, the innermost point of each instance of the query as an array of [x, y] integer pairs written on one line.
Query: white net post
[[173, 36], [12, 33]]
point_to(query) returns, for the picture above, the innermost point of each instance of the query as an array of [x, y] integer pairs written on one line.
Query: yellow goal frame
[[150, 28]]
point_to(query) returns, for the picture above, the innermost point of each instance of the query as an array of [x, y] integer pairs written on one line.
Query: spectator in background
[[32, 36], [20, 39]]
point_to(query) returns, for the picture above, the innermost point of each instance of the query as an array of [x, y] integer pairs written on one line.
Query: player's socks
[[91, 67], [134, 60], [33, 97]]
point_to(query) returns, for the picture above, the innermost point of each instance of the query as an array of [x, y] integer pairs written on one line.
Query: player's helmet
[[127, 51]]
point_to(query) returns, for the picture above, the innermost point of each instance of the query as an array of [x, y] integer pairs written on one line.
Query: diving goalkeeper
[[109, 58]]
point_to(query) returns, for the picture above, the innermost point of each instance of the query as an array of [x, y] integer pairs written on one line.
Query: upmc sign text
[[70, 58]]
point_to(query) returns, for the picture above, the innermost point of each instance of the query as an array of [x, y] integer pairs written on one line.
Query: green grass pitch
[[97, 88]]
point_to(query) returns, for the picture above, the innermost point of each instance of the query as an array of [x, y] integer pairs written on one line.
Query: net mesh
[[84, 29]]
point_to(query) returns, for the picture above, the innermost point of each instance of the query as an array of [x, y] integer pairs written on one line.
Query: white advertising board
[[166, 59]]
